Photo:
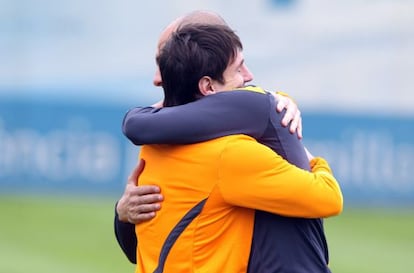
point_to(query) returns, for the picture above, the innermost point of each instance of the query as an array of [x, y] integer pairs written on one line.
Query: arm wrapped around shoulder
[[254, 176], [321, 167]]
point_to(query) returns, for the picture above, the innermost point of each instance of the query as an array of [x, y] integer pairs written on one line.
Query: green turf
[[67, 234], [59, 235], [372, 240]]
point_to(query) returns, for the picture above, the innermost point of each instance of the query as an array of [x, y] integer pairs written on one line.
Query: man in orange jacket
[[213, 188]]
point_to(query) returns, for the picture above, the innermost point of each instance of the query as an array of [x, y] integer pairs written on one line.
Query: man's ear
[[205, 85]]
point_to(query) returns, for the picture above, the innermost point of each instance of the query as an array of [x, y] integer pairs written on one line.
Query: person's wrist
[[121, 211]]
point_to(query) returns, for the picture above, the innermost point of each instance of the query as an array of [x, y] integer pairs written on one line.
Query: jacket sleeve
[[253, 176], [222, 114], [126, 238]]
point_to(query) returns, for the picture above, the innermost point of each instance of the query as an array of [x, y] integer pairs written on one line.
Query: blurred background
[[69, 70]]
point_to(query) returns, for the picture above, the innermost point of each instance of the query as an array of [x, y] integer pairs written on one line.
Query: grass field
[[75, 234]]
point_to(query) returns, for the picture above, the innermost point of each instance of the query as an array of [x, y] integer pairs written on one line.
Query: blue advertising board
[[372, 156], [57, 146]]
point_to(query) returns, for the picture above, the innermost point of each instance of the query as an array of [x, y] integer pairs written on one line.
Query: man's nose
[[157, 81], [247, 75]]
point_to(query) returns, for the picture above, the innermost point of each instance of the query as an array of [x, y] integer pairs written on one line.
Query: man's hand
[[292, 116], [138, 203]]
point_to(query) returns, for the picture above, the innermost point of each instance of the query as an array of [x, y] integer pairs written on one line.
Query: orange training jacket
[[236, 175]]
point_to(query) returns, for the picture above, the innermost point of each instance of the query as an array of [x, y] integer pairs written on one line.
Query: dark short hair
[[192, 52]]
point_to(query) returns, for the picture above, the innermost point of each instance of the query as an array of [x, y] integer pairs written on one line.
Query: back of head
[[192, 52], [198, 17], [202, 17]]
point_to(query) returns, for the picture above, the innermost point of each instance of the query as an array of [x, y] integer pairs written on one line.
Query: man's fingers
[[133, 176], [148, 208], [142, 217], [143, 190], [291, 109], [147, 198], [140, 168], [299, 129], [292, 116], [296, 125], [287, 118], [143, 213], [282, 102]]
